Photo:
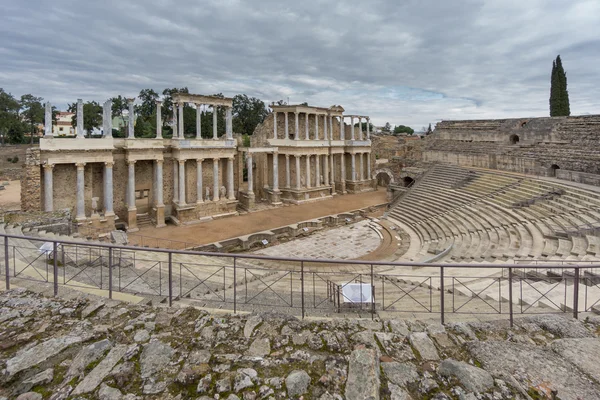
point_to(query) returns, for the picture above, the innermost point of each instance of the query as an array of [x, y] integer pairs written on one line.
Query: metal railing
[[301, 286]]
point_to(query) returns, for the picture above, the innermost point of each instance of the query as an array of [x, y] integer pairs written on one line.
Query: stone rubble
[[110, 351]]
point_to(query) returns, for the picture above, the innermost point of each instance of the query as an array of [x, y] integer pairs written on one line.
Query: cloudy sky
[[408, 62]]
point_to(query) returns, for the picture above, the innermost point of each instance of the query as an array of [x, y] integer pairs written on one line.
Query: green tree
[[148, 106], [248, 112], [559, 95], [119, 106], [363, 126], [387, 127], [403, 129], [9, 117], [92, 115], [32, 112]]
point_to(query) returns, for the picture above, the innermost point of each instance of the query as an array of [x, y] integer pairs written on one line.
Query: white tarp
[[357, 293], [47, 247]]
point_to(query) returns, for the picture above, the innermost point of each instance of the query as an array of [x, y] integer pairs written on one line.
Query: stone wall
[[31, 187]]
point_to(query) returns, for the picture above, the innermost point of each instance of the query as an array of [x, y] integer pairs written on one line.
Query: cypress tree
[[559, 96]]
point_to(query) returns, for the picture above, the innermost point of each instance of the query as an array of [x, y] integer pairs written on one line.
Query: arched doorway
[[383, 179], [514, 139], [407, 181], [552, 170]]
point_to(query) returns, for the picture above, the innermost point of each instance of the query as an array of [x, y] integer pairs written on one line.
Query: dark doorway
[[514, 139], [553, 168], [407, 181]]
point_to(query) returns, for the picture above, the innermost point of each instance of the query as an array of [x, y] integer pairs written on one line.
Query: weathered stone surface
[[141, 336], [86, 356], [424, 345], [399, 327], [244, 378], [400, 373], [260, 348], [472, 378], [109, 393], [397, 393], [560, 326], [252, 322], [363, 375], [155, 356], [93, 307], [30, 396], [297, 383], [94, 378], [581, 352], [40, 353], [42, 378]]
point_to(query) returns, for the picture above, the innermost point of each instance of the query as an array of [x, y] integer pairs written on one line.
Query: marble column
[[175, 181], [48, 120], [326, 169], [108, 189], [131, 186], [182, 182], [343, 174], [307, 134], [198, 121], [324, 127], [215, 179], [332, 169], [79, 130], [131, 124], [276, 172], [316, 126], [308, 171], [287, 171], [107, 119], [274, 124], [230, 192], [249, 165], [360, 133], [296, 130], [48, 188], [352, 137], [174, 122], [368, 166], [330, 128], [297, 172], [199, 186], [215, 112], [317, 170], [80, 191], [368, 129], [158, 183], [158, 119], [180, 121], [287, 129], [362, 166], [353, 167], [228, 124], [342, 130]]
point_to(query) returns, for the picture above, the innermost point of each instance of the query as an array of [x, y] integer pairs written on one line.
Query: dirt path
[[10, 197], [226, 228]]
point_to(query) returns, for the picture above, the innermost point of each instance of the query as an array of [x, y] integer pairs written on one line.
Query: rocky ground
[[91, 348]]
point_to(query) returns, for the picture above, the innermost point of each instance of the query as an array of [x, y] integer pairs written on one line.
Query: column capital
[[230, 158], [216, 159], [159, 162], [287, 156], [158, 102], [181, 161], [130, 100], [109, 164], [199, 160], [296, 112], [48, 166], [80, 165], [131, 162]]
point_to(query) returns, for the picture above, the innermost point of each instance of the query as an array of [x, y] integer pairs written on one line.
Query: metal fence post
[[302, 284], [576, 294], [55, 251], [234, 285], [510, 296], [6, 263], [110, 277], [442, 305], [170, 279]]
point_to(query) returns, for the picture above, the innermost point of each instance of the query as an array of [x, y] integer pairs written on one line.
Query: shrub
[[15, 160]]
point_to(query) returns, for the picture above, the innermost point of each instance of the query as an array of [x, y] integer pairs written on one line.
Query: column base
[[273, 196], [132, 220], [160, 216], [247, 200]]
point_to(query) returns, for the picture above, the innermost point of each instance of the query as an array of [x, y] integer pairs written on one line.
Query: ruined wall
[[31, 187]]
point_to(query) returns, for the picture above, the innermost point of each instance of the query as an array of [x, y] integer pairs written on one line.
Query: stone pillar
[[368, 129], [215, 179], [326, 169], [230, 193], [332, 169], [228, 124], [296, 130], [342, 130], [317, 170], [80, 191], [215, 134], [353, 167], [297, 172], [360, 133], [287, 129], [368, 166], [324, 127], [276, 172], [307, 134], [107, 119], [330, 127], [79, 131], [274, 124], [159, 120], [181, 182], [131, 125], [287, 171], [308, 171], [174, 122], [48, 188], [180, 121], [108, 189], [316, 126], [199, 186], [352, 128], [198, 121], [175, 181], [158, 194], [131, 185], [48, 120], [362, 166], [249, 166], [343, 172]]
